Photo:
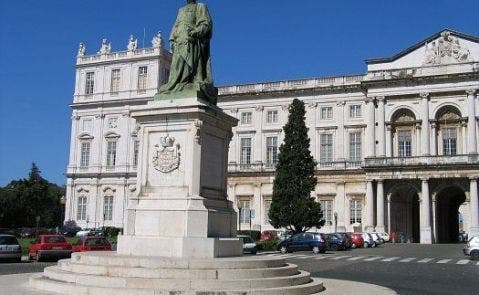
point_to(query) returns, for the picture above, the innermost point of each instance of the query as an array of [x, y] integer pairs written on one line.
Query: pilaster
[[425, 138], [381, 126], [471, 121]]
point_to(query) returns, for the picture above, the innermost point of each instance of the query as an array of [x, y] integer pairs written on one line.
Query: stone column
[[380, 206], [474, 208], [370, 128], [257, 206], [389, 144], [389, 213], [381, 126], [434, 221], [471, 121], [425, 224], [464, 137], [434, 139], [425, 124], [417, 151], [369, 226], [257, 153]]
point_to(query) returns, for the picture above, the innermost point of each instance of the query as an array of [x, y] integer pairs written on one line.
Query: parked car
[[348, 238], [357, 240], [70, 231], [462, 237], [368, 240], [49, 246], [377, 239], [10, 248], [269, 235], [83, 232], [472, 248], [336, 242], [249, 246], [384, 236], [87, 243], [304, 242], [27, 232]]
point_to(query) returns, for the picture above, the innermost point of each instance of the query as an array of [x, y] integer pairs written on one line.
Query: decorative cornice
[[471, 91], [424, 95], [259, 108]]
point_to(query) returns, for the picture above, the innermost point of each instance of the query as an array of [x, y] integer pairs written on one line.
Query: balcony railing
[[260, 167], [95, 169], [422, 160]]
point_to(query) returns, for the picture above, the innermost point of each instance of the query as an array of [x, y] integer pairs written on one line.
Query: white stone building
[[397, 147]]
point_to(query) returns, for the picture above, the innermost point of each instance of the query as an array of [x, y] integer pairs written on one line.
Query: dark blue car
[[303, 242], [336, 242]]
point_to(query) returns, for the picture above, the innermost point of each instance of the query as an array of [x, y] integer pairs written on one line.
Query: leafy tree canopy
[[292, 206], [24, 199]]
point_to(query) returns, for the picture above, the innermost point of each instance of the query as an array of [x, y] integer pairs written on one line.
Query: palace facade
[[397, 147]]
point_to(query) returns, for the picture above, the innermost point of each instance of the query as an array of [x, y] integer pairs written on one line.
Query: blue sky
[[254, 40]]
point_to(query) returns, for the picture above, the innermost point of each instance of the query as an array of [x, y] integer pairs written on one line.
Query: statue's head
[[191, 1]]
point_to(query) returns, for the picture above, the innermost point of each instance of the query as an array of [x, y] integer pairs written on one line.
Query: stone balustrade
[[421, 160]]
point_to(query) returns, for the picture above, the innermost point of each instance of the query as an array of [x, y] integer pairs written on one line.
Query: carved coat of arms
[[166, 157]]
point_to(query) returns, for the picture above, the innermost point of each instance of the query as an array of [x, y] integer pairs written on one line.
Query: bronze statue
[[190, 72]]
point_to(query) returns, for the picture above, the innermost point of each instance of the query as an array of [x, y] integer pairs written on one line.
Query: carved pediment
[[446, 49]]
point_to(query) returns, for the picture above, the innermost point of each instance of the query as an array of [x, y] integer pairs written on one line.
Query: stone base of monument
[[110, 273]]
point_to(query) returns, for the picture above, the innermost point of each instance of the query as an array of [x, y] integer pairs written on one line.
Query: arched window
[[404, 133], [449, 131]]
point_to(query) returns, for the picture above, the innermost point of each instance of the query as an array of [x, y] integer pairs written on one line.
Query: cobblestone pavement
[[23, 267]]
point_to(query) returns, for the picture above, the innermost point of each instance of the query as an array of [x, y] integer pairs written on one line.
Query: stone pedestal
[[180, 208]]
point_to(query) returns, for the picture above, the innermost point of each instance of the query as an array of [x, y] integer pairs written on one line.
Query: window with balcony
[[108, 208], [90, 83], [272, 117], [449, 141], [85, 154], [245, 156], [355, 211], [244, 208], [81, 208], [326, 113], [355, 147], [111, 153], [326, 149], [142, 79], [246, 118], [355, 111], [327, 208], [404, 143], [115, 81], [271, 151]]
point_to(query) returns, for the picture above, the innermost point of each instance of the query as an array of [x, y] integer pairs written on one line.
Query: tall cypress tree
[[292, 206]]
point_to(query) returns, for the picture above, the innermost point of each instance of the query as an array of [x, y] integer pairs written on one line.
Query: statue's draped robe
[[191, 66]]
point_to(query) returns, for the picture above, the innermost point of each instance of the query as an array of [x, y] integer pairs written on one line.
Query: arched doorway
[[447, 214], [405, 212]]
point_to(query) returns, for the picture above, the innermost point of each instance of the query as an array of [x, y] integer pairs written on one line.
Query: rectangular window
[[326, 113], [246, 118], [85, 154], [81, 208], [89, 83], [136, 149], [115, 81], [111, 153], [245, 157], [267, 206], [327, 208], [244, 206], [142, 79], [355, 211], [108, 208], [87, 125], [326, 148], [355, 111], [272, 117], [404, 143], [449, 141], [355, 147], [271, 151]]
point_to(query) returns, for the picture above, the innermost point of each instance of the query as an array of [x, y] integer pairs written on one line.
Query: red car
[[357, 240], [269, 235], [92, 244], [49, 246]]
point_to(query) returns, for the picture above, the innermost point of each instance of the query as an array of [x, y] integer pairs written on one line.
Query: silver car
[[10, 248], [249, 246], [472, 248]]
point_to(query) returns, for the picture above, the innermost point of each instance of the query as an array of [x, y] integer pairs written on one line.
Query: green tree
[[22, 200], [292, 206]]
